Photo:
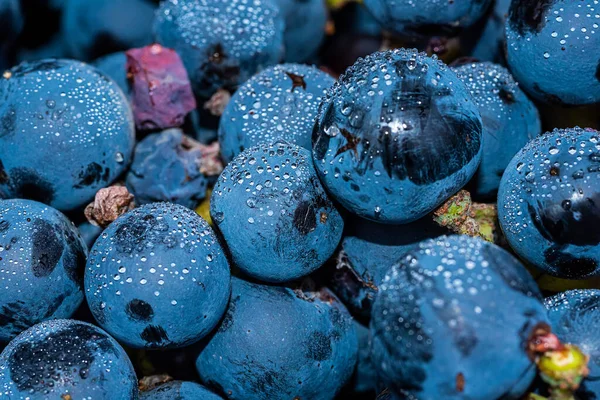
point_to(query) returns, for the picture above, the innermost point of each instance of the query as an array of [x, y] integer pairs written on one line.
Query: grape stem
[[148, 383], [554, 395], [561, 366], [533, 396], [463, 216]]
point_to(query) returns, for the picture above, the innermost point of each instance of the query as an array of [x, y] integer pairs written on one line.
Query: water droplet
[[219, 217], [578, 174], [530, 176]]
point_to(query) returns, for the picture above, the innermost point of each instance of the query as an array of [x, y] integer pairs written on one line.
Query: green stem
[[461, 215], [559, 394], [553, 396], [533, 396], [561, 366]]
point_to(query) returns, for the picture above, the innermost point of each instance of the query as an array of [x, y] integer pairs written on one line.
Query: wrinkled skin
[[575, 318], [165, 169], [451, 306], [67, 115], [161, 93], [426, 17], [509, 118], [367, 251], [281, 102], [94, 28], [170, 285], [115, 66], [42, 259], [279, 343], [274, 214], [396, 136], [548, 203], [214, 51], [177, 390], [62, 359], [551, 48]]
